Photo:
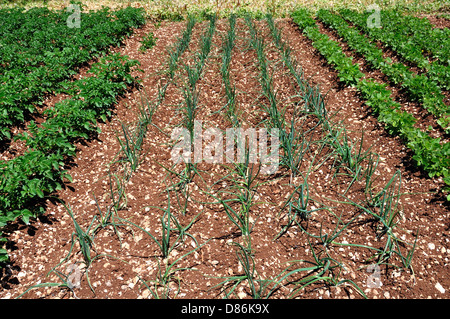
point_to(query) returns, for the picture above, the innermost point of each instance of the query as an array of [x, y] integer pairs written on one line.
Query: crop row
[[294, 132], [411, 38], [420, 87], [40, 170], [429, 153], [434, 42], [39, 53], [230, 91]]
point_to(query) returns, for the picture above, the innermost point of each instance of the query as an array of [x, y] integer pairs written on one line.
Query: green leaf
[[39, 193], [68, 177], [3, 255]]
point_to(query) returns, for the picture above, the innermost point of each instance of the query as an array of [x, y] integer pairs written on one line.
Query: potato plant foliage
[[39, 54]]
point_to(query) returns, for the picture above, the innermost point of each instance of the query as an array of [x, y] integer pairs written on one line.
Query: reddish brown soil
[[36, 248], [437, 20]]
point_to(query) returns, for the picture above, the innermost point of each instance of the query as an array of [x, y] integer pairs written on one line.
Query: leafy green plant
[[3, 252], [48, 53], [420, 87], [148, 42], [28, 178], [412, 38]]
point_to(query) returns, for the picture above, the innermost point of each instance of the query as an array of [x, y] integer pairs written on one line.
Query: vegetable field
[[240, 154]]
